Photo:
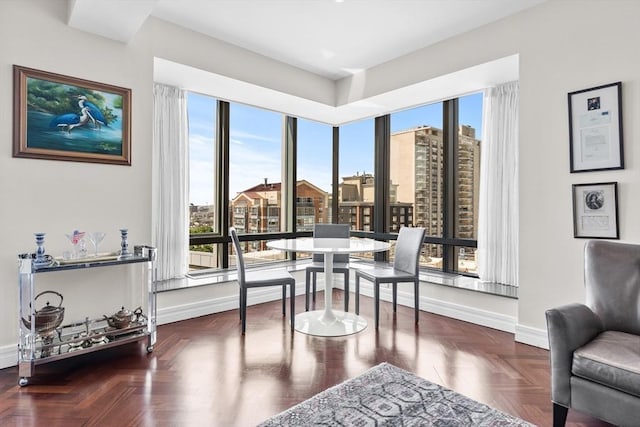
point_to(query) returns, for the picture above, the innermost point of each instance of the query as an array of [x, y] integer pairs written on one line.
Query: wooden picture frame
[[59, 117], [595, 211], [595, 128]]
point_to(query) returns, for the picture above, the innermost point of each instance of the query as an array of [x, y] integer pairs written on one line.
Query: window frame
[[382, 216]]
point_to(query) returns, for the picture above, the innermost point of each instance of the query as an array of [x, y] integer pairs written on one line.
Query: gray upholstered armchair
[[595, 348]]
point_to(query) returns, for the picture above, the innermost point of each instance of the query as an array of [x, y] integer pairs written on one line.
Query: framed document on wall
[[595, 128], [595, 210]]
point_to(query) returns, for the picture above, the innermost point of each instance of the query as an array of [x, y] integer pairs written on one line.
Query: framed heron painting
[[65, 118]]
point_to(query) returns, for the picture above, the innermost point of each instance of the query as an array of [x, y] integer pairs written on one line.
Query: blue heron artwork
[[72, 119]]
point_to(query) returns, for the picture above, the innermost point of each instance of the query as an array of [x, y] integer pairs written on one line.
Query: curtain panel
[[170, 187], [498, 204]]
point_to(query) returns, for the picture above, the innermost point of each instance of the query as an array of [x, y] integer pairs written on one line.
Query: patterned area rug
[[389, 396]]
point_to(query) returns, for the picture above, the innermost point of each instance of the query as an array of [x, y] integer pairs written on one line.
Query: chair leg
[[284, 299], [307, 284], [292, 297], [559, 415], [313, 296], [244, 309], [416, 298], [376, 297], [240, 302], [394, 290], [357, 294], [346, 291]]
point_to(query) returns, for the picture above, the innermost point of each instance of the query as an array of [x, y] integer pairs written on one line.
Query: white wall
[[563, 46]]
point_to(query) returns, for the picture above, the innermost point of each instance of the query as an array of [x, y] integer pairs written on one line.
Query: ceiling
[[330, 38]]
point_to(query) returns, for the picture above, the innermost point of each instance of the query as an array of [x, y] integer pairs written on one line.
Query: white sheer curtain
[[498, 207], [170, 185]]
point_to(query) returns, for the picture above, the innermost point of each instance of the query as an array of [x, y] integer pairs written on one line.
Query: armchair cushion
[[611, 359]]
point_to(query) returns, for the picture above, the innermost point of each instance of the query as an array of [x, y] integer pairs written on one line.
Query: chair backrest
[[333, 231], [612, 284], [239, 259], [408, 247]]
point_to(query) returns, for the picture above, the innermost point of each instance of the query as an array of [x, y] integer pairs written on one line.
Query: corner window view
[[418, 159]]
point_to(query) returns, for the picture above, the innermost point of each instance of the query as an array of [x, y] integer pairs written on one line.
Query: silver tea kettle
[[123, 318], [48, 318]]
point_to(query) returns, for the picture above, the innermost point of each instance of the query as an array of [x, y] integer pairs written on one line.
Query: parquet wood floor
[[203, 372]]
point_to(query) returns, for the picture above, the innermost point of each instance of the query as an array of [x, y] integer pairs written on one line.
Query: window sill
[[427, 276]]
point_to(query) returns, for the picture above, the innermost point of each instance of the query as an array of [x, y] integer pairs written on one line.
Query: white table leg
[[329, 322], [328, 316]]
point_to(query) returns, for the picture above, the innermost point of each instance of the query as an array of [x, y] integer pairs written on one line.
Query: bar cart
[[44, 338]]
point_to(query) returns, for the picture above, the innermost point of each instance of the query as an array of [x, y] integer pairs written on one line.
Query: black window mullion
[[382, 164], [222, 181], [450, 146], [289, 205], [334, 176]]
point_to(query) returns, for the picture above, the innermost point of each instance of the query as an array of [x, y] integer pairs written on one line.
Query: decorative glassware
[[96, 237], [124, 244], [77, 242]]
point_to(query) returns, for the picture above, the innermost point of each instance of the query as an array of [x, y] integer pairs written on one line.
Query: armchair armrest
[[569, 328]]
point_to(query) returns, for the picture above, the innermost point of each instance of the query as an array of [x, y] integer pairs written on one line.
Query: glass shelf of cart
[[90, 335], [59, 264], [41, 262]]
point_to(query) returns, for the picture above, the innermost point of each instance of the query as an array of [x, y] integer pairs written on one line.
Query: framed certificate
[[595, 211], [595, 128]]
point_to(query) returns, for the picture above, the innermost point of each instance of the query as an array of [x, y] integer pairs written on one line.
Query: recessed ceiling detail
[[329, 38]]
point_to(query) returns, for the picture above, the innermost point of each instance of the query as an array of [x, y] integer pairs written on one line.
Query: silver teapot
[[123, 318]]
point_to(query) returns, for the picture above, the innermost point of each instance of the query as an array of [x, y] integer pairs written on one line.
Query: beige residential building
[[356, 200], [417, 158]]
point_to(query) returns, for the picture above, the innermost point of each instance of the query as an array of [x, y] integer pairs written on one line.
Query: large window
[[255, 177], [468, 179], [435, 178], [314, 174], [417, 174], [433, 152], [357, 182], [202, 111]]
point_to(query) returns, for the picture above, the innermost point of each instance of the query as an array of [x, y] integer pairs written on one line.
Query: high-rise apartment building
[[417, 159]]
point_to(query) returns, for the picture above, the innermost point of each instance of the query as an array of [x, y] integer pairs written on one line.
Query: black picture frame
[[595, 211], [595, 128]]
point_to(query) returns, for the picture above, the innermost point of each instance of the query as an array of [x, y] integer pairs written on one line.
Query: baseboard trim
[[217, 305], [532, 336], [456, 311], [465, 313], [9, 356]]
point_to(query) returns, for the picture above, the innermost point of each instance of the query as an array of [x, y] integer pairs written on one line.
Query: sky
[[255, 144]]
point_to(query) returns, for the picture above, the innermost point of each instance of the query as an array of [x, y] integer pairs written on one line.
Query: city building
[[417, 171], [201, 216], [356, 202], [257, 209]]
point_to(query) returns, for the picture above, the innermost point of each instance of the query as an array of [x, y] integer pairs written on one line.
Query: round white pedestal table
[[329, 322]]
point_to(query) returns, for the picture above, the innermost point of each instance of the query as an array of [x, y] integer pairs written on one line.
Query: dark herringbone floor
[[204, 373]]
